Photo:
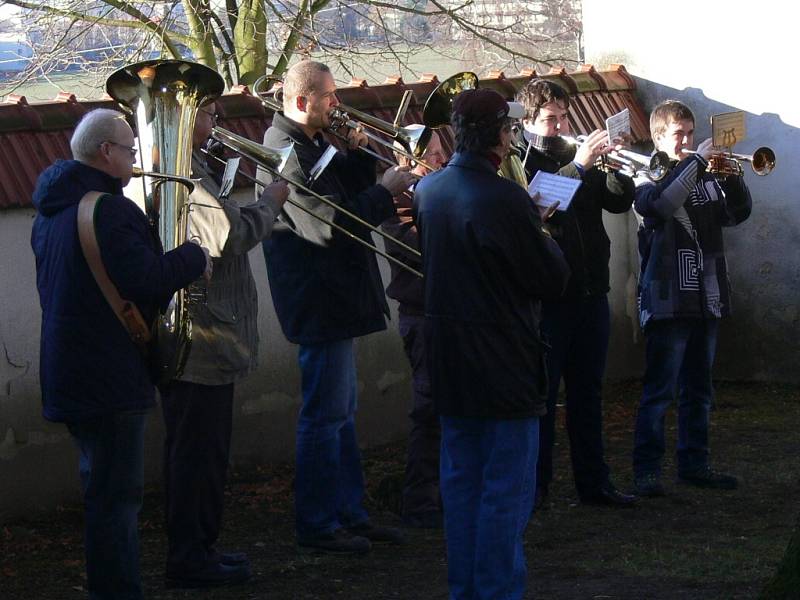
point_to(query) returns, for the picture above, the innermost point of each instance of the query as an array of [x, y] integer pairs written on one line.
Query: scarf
[[554, 147]]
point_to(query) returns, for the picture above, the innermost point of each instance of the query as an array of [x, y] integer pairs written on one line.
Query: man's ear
[[301, 103]]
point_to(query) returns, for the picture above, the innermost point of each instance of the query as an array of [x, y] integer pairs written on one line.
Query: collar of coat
[[473, 160], [294, 131]]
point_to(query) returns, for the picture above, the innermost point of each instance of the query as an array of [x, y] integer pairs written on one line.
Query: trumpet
[[629, 163], [722, 164], [273, 159], [344, 116]]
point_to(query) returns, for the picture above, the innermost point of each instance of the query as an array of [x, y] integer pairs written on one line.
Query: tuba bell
[[164, 96]]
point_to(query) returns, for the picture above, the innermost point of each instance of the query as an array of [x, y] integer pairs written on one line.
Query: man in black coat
[[327, 290], [487, 264], [577, 325]]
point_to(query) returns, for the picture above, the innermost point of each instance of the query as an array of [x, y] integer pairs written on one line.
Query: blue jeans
[[488, 477], [329, 482], [680, 354], [112, 479], [577, 331]]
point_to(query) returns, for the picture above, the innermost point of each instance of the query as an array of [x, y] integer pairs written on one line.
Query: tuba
[[164, 96]]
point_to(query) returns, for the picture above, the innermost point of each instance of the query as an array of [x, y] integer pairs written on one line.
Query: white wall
[[720, 57], [38, 464]]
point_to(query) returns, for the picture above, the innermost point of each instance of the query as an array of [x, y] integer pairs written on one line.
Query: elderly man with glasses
[[94, 377]]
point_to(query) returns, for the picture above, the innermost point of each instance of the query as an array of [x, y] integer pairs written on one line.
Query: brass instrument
[[164, 96], [722, 164], [344, 116], [629, 163], [272, 160]]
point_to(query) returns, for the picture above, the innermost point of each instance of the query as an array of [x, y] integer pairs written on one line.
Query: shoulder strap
[[126, 311]]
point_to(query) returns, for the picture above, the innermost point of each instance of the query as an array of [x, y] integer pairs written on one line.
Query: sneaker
[[339, 541], [424, 520], [709, 478], [373, 533], [648, 485]]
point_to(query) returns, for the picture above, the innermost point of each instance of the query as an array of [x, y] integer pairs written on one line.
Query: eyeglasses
[[131, 150], [214, 116]]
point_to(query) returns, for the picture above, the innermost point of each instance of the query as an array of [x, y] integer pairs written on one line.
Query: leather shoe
[[214, 575], [373, 533], [608, 495], [433, 519], [232, 558], [339, 541]]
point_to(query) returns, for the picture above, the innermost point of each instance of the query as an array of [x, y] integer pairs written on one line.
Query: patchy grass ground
[[693, 544]]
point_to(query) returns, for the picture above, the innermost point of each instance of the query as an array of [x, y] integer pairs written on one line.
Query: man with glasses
[[198, 405], [93, 376]]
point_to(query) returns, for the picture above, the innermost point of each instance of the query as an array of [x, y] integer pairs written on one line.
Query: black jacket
[[579, 231], [325, 286], [487, 263]]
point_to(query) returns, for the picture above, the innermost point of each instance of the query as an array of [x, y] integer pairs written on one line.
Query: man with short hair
[[487, 264], [327, 290], [577, 326], [93, 376]]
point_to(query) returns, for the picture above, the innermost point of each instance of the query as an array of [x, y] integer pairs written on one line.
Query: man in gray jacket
[[198, 406]]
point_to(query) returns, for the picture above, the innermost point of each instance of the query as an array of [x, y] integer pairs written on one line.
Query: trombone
[[347, 116], [273, 159], [722, 164]]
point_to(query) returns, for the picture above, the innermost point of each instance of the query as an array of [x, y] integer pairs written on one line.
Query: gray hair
[[96, 126]]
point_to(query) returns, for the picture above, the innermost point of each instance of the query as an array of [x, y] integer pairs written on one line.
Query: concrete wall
[[719, 58], [38, 464]]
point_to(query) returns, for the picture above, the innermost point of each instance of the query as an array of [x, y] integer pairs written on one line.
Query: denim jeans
[[329, 482], [488, 477], [112, 479], [577, 332], [421, 486], [680, 354]]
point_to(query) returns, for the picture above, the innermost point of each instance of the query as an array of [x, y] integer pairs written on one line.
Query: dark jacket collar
[[294, 131], [472, 160]]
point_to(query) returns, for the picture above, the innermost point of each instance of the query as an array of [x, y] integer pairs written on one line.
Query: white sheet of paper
[[553, 188], [231, 167], [618, 124]]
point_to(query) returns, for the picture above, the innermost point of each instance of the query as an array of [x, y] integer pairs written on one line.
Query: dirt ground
[[692, 544]]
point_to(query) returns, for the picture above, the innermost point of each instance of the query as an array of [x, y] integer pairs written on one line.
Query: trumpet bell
[[763, 161], [439, 105]]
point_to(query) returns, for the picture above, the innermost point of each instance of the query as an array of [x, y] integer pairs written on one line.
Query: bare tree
[[244, 39]]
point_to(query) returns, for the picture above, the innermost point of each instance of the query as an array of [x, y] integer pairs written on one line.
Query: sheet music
[[618, 124], [727, 129], [231, 168], [553, 188]]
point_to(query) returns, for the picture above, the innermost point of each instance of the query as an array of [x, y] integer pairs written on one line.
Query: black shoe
[[709, 478], [608, 495], [232, 558], [339, 541], [433, 519], [373, 533], [649, 486], [214, 575]]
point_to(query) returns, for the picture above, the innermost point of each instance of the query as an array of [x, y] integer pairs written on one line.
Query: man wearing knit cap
[[488, 264]]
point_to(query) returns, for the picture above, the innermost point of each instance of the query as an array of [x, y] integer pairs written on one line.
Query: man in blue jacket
[[327, 290], [93, 376], [488, 264]]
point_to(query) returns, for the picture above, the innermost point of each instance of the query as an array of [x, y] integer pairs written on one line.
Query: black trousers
[[578, 332], [421, 487], [198, 420]]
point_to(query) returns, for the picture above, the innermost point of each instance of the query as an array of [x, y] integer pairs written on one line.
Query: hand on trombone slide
[[356, 138], [398, 179]]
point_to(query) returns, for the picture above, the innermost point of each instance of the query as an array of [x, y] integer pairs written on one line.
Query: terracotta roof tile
[[32, 136]]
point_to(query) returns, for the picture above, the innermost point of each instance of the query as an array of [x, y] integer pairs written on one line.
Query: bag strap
[[126, 311]]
